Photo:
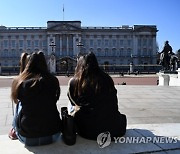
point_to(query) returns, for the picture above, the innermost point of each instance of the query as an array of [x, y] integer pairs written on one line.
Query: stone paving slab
[[151, 111], [141, 104], [125, 146], [164, 133]]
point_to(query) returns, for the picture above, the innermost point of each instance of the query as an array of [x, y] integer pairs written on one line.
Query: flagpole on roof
[[63, 12]]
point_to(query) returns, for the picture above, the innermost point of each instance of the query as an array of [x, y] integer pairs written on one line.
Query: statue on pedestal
[[165, 56], [173, 62], [168, 59]]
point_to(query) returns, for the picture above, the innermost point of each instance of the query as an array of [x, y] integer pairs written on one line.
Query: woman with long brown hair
[[36, 91], [22, 63], [92, 91]]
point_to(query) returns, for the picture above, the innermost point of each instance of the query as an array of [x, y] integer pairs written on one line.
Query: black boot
[[68, 131]]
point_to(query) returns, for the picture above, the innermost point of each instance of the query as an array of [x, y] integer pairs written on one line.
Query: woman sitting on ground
[[36, 91], [93, 98], [22, 63]]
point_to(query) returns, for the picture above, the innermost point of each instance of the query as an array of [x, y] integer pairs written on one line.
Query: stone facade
[[112, 45]]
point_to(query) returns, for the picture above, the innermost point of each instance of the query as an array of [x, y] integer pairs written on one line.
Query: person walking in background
[[93, 101], [36, 91]]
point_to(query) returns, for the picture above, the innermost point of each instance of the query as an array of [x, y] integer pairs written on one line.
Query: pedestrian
[[36, 91], [93, 100]]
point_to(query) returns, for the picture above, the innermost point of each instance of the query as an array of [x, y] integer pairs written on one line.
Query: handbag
[[68, 127]]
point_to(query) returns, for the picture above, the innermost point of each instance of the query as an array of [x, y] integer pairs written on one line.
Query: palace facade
[[112, 45]]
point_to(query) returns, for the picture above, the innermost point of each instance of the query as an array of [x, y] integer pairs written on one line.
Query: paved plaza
[[151, 111]]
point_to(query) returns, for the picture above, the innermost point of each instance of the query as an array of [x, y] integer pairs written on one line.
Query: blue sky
[[165, 14]]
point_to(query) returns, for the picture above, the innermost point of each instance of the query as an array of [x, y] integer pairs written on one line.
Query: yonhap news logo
[[104, 139]]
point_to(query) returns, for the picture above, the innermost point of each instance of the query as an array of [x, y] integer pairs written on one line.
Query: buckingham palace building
[[112, 45]]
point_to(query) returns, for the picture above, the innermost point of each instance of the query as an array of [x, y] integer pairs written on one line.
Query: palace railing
[[111, 69]]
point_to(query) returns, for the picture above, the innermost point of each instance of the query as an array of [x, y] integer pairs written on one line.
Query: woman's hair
[[23, 61], [35, 68], [88, 75], [36, 64]]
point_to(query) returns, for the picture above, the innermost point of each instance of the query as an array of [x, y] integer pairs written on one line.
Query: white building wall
[[118, 34]]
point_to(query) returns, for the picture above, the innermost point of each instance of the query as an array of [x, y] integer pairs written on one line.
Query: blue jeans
[[33, 141]]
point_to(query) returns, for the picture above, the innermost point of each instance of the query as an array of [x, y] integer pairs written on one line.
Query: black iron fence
[[111, 69], [137, 69], [9, 70]]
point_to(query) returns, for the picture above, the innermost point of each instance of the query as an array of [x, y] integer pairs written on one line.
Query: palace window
[[20, 43], [106, 52], [5, 43], [129, 52], [13, 53], [121, 42], [106, 43], [13, 43], [114, 43], [36, 43], [99, 52], [5, 53], [114, 51], [129, 43], [121, 52], [44, 43], [91, 43], [99, 43], [28, 43]]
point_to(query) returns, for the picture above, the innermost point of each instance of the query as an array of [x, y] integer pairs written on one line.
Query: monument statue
[[173, 62], [165, 56]]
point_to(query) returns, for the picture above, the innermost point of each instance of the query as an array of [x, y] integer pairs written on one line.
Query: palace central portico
[[66, 35]]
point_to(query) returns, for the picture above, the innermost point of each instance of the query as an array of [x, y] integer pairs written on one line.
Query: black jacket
[[98, 112], [40, 116]]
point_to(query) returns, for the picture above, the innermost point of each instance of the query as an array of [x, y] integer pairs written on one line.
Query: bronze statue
[[165, 56]]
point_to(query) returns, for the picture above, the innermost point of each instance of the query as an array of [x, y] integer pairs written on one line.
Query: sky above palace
[[165, 14]]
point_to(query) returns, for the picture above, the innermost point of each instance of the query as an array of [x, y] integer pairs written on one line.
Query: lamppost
[[52, 45], [79, 45], [52, 58]]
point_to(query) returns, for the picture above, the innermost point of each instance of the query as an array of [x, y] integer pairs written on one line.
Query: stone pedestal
[[175, 79], [169, 78], [131, 68], [163, 79]]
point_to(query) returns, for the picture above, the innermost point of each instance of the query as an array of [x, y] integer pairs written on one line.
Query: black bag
[[69, 130]]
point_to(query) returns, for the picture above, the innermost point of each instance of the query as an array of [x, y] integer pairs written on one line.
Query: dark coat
[[40, 116], [98, 112]]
